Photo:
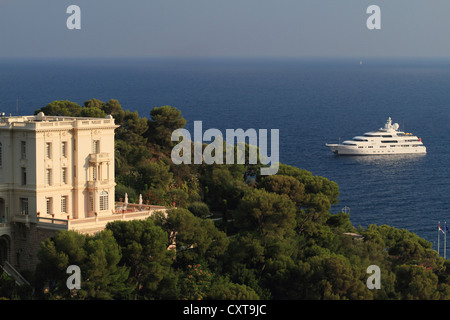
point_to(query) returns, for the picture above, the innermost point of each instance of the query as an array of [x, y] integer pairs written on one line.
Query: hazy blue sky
[[250, 28]]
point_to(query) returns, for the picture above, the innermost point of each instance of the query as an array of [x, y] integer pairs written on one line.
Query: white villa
[[56, 173]]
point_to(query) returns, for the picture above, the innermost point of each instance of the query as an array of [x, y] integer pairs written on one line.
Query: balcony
[[22, 218], [97, 158], [99, 184], [52, 223]]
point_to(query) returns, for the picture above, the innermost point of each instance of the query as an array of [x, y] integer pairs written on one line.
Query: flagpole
[[445, 240], [438, 237]]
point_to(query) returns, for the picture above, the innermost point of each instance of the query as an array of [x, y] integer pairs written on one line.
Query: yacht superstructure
[[387, 140]]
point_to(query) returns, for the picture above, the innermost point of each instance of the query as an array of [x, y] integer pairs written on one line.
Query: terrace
[[90, 225], [42, 122]]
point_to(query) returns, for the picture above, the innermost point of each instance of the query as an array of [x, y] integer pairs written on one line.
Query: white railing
[[99, 222]]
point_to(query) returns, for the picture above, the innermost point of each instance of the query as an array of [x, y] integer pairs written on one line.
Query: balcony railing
[[97, 183], [23, 218], [33, 123], [134, 207], [52, 223], [99, 157]]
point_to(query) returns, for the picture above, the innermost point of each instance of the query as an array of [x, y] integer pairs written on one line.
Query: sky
[[224, 28]]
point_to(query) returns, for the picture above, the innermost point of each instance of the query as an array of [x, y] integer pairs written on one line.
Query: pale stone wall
[[51, 167]]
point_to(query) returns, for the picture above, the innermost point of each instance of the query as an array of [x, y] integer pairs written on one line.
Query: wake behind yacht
[[387, 140]]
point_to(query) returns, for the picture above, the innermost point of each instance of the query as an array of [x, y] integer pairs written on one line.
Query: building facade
[[52, 169]]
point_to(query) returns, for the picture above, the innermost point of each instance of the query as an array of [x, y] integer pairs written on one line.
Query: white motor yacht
[[387, 140]]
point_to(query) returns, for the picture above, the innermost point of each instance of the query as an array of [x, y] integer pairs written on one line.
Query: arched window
[[103, 200]]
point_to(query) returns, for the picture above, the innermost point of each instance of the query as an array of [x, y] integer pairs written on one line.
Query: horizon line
[[243, 57]]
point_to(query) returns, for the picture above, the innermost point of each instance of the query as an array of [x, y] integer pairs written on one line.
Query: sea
[[310, 101]]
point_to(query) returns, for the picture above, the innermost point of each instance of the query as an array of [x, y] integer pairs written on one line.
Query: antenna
[[17, 105]]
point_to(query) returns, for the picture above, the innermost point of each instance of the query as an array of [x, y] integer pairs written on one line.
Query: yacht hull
[[340, 149]]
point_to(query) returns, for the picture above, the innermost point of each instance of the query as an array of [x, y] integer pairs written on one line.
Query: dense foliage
[[234, 234]]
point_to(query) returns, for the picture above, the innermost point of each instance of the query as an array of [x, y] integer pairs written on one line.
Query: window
[[48, 176], [372, 135], [94, 173], [96, 146], [24, 206], [24, 176], [23, 149], [91, 201], [64, 204], [389, 141], [49, 205], [48, 150], [64, 175], [1, 154], [64, 149], [104, 200]]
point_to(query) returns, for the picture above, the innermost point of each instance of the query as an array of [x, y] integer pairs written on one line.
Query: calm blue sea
[[311, 102]]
